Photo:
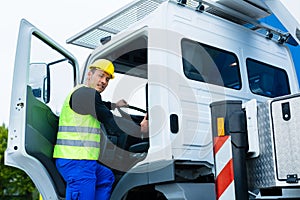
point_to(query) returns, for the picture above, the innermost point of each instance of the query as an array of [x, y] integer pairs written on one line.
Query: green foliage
[[13, 181]]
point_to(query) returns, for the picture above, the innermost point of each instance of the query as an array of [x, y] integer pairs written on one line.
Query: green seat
[[41, 132]]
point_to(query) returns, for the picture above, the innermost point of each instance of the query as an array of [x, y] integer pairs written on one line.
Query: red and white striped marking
[[224, 168]]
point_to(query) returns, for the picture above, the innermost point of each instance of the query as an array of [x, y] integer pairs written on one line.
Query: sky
[[59, 19]]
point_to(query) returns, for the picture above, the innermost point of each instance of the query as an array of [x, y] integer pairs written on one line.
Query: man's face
[[98, 80]]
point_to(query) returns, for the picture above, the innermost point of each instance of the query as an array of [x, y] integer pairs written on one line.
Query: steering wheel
[[128, 116]]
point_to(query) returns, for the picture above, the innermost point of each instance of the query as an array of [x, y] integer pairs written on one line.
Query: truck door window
[[50, 74], [211, 65], [267, 80], [130, 60]]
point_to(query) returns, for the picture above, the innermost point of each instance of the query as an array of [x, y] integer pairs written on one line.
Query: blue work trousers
[[86, 179]]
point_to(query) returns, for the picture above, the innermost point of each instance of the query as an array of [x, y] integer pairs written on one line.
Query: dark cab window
[[209, 64], [267, 80]]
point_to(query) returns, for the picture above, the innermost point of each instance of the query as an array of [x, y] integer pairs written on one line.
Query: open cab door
[[44, 73]]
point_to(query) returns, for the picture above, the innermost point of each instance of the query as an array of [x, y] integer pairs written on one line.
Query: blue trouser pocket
[[75, 196]]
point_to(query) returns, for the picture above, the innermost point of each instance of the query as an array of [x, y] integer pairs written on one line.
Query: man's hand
[[144, 124], [121, 103]]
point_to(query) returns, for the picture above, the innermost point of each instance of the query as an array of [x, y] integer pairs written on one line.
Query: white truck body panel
[[190, 99]]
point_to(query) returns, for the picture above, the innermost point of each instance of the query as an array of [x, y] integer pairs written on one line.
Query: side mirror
[[38, 80], [41, 75]]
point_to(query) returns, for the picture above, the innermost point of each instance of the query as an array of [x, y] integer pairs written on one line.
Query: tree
[[14, 183]]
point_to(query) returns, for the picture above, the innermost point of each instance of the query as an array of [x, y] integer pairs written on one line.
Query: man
[[78, 140]]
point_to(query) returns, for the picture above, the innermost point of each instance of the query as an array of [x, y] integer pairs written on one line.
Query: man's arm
[[109, 105], [88, 101], [112, 106]]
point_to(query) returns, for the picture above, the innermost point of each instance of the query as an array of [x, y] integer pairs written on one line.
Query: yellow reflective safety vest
[[78, 135]]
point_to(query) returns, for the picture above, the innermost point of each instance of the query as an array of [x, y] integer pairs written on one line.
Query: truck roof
[[114, 23], [246, 13]]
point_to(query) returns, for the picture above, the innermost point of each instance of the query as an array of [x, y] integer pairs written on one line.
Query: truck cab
[[172, 60]]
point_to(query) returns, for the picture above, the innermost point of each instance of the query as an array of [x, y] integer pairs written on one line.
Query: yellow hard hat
[[104, 65]]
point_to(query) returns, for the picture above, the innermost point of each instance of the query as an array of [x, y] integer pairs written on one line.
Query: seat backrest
[[41, 132]]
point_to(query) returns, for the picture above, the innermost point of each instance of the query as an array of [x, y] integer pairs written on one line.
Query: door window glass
[[211, 65], [267, 80]]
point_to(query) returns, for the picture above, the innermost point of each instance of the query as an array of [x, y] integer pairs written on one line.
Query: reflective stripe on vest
[[78, 143], [78, 135], [78, 129]]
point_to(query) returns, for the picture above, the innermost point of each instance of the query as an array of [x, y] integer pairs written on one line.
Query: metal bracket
[[292, 178], [200, 7], [182, 2]]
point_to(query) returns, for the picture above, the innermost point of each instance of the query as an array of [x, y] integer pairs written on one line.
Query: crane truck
[[219, 86]]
